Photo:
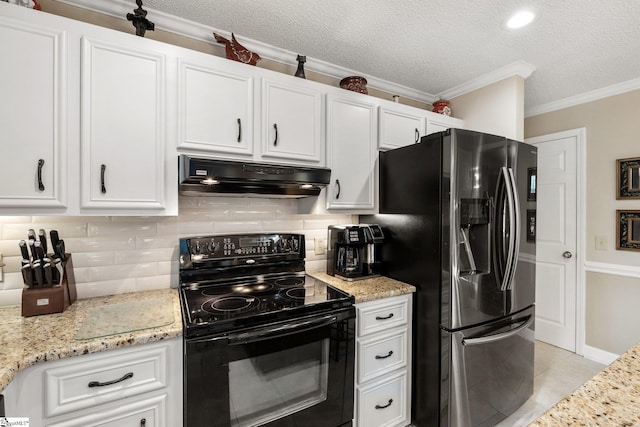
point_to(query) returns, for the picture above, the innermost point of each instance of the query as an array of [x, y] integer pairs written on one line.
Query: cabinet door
[[439, 122], [32, 114], [351, 136], [399, 127], [216, 108], [292, 123], [122, 117]]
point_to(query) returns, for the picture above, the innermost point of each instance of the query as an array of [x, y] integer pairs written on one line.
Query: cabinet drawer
[[379, 316], [384, 403], [99, 379], [381, 355], [145, 413]]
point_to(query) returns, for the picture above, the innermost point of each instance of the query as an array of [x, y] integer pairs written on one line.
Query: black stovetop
[[237, 305]]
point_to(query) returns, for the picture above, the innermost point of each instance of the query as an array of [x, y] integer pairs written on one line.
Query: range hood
[[209, 177]]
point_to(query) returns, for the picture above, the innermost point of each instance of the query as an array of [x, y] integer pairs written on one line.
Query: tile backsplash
[[113, 255]]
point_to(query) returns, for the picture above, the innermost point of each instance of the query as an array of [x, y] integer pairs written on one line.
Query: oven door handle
[[281, 330]]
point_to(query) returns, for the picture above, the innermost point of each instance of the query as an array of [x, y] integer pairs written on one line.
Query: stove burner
[[296, 293], [288, 282], [230, 304]]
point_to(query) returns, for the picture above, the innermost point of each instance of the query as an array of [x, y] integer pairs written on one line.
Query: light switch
[[601, 243]]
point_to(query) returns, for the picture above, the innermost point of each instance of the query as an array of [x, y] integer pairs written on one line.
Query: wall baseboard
[[598, 355]]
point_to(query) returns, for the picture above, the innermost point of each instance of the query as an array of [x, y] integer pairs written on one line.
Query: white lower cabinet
[[137, 386], [383, 363]]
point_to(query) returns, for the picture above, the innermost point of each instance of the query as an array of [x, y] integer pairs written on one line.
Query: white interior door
[[556, 239]]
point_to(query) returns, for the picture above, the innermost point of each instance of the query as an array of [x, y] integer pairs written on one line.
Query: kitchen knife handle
[[275, 141], [417, 135], [338, 187], [103, 169], [239, 130], [99, 384], [40, 165]]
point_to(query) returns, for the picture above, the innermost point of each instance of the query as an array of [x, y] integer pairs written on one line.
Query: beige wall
[[497, 108], [612, 132]]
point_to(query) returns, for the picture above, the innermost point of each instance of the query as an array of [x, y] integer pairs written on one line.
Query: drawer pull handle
[[275, 141], [384, 317], [239, 131], [143, 422], [385, 406], [417, 136], [384, 357], [103, 170], [99, 384]]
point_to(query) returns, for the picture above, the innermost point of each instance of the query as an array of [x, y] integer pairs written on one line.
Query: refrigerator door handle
[[516, 232], [506, 174], [497, 337]]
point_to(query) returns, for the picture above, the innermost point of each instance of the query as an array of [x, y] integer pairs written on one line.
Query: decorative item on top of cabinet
[[355, 84], [139, 20], [441, 106], [236, 52], [32, 4], [300, 71]]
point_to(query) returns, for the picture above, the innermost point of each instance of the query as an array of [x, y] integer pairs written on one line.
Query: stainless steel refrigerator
[[458, 214]]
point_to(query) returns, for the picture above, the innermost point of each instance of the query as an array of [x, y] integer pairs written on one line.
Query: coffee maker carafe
[[352, 250]]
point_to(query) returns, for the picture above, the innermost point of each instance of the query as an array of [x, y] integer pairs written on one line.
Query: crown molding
[[194, 30], [593, 95], [518, 68]]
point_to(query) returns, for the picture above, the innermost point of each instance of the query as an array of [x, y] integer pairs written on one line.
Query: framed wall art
[[628, 230], [628, 178]]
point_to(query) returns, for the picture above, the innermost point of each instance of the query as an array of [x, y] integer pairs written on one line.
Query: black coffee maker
[[352, 250]]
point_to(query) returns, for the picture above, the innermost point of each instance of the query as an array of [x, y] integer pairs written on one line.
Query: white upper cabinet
[[292, 121], [439, 122], [351, 137], [215, 105], [33, 105], [123, 134], [399, 126]]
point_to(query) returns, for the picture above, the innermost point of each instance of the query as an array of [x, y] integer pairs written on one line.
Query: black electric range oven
[[264, 344]]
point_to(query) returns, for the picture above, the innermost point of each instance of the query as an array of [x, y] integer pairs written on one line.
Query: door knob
[[567, 254]]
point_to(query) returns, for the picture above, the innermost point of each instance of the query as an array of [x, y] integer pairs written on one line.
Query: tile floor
[[557, 373]]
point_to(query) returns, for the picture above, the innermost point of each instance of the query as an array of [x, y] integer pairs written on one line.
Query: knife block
[[56, 299]]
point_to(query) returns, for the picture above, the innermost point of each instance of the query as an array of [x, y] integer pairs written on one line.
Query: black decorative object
[[628, 178], [300, 71], [140, 21], [628, 230]]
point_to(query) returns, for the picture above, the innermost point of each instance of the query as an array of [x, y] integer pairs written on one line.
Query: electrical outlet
[[320, 246], [601, 243]]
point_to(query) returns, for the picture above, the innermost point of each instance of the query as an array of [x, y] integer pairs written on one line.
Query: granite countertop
[[610, 398], [111, 322], [367, 289]]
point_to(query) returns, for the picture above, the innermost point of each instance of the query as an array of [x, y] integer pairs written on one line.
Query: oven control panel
[[210, 248]]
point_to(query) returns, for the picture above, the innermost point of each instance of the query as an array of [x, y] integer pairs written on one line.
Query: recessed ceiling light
[[519, 20]]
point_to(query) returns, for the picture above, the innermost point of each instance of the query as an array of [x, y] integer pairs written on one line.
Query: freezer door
[[487, 371]]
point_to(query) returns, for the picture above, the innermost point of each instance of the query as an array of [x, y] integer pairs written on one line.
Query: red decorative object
[[442, 107], [236, 52], [355, 84]]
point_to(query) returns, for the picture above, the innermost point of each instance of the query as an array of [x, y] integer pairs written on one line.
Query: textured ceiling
[[576, 46]]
